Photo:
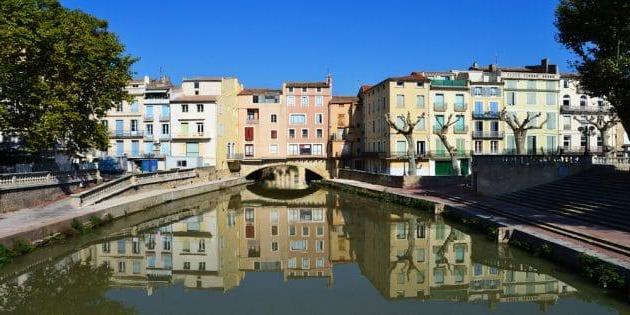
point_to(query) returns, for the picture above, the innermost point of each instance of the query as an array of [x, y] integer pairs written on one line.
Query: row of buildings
[[215, 121]]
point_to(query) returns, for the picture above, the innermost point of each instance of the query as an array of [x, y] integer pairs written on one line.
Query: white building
[[574, 103], [194, 123]]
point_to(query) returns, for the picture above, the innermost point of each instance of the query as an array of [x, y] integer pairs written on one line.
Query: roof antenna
[[496, 59]]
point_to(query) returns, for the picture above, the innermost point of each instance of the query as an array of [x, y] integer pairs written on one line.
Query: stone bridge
[[317, 165]]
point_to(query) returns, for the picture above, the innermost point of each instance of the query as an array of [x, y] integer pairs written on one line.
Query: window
[[274, 134], [192, 149], [290, 99], [439, 99], [494, 91], [494, 146], [202, 265], [566, 141], [305, 149], [421, 125], [319, 119], [460, 250], [304, 90], [187, 265], [306, 263], [200, 128], [106, 247], [305, 231], [134, 125], [304, 100], [121, 266], [420, 101], [419, 84], [297, 119], [438, 275], [319, 100], [319, 230], [531, 98], [550, 85], [319, 90], [304, 133], [121, 247], [319, 133], [292, 263], [317, 149], [249, 150], [551, 98], [196, 85], [292, 230], [249, 133], [531, 84], [165, 129], [551, 121], [292, 133], [400, 83], [149, 128], [274, 118], [297, 245], [274, 229], [184, 108], [199, 108], [400, 100], [273, 148], [511, 98], [274, 246], [136, 267], [566, 125], [478, 147], [291, 89], [319, 246]]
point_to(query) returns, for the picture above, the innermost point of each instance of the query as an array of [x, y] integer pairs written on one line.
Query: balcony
[[126, 134], [487, 134], [235, 156], [461, 107], [443, 154], [450, 83], [191, 135], [165, 137], [148, 137], [148, 117], [165, 117], [439, 107], [568, 109], [485, 115], [251, 121], [460, 130], [338, 137]]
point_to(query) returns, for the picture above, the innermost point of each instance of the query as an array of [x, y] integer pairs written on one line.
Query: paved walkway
[[29, 219], [469, 201]]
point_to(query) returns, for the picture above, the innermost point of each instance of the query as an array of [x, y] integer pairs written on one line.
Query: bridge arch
[[318, 167]]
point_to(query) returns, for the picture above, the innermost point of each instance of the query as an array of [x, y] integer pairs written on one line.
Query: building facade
[[344, 131]]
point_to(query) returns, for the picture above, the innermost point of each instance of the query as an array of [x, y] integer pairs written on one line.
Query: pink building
[[307, 117], [262, 124]]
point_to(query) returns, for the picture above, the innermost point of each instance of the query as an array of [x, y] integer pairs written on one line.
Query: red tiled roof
[[259, 91], [194, 99], [344, 99], [412, 77]]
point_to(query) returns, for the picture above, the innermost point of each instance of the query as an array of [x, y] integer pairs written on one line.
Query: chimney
[[545, 64], [329, 80], [475, 65]]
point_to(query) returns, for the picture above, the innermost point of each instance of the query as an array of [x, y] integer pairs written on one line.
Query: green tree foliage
[[63, 288], [60, 71], [598, 32]]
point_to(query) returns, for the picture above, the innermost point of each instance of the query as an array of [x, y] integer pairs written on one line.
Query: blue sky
[[266, 42]]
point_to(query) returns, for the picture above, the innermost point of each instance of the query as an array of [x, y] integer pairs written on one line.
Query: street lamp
[[587, 132]]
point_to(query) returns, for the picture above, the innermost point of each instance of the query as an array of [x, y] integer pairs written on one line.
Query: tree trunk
[[624, 116], [519, 140], [456, 169], [411, 155], [607, 149]]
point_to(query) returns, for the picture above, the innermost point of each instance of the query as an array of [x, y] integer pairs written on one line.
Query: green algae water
[[313, 251]]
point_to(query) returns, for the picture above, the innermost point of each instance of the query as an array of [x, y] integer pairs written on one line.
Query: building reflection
[[403, 254]]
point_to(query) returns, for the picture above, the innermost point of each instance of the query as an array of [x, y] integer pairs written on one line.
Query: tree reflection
[[75, 287]]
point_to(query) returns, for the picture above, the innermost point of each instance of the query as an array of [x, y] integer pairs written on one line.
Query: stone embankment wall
[[399, 181], [502, 174], [35, 189]]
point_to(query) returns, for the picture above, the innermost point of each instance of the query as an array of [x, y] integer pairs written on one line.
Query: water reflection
[[404, 254]]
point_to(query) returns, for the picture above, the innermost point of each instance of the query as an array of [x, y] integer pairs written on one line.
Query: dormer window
[[291, 90], [319, 90], [400, 83], [420, 84], [196, 85], [255, 100], [304, 90]]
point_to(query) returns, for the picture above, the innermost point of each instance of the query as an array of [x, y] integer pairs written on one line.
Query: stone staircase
[[598, 196]]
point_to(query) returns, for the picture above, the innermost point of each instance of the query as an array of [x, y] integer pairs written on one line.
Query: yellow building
[[345, 135], [384, 150], [528, 91], [227, 122]]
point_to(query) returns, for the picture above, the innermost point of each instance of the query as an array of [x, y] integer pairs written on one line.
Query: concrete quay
[[37, 224]]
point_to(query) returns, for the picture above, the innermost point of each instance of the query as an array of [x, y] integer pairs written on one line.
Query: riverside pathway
[[465, 200], [28, 220]]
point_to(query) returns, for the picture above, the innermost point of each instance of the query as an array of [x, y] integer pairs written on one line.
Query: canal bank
[[606, 267], [39, 224]]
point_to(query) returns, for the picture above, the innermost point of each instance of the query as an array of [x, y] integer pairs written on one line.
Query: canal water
[[313, 251]]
